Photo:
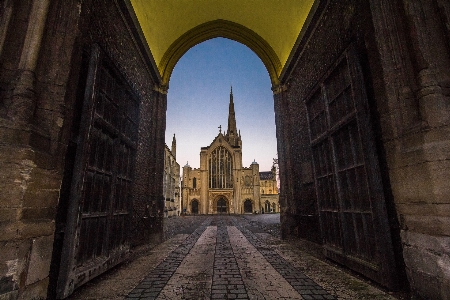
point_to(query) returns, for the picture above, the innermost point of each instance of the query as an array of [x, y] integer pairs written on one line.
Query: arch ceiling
[[269, 27]]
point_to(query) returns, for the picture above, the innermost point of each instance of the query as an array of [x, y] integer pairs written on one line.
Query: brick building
[[361, 98]]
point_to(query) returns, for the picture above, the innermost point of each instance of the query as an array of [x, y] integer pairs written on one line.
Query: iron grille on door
[[347, 178], [103, 176]]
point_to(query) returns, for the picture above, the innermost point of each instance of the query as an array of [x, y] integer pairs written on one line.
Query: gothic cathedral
[[222, 185]]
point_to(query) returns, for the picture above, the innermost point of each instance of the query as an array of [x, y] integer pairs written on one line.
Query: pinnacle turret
[[174, 147]]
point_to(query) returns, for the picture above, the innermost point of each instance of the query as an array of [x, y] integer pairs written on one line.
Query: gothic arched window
[[220, 169]]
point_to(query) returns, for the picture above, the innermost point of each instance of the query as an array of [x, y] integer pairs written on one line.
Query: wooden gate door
[[98, 214], [349, 189]]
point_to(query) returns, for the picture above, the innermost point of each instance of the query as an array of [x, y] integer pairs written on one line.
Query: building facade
[[171, 181], [268, 185], [222, 185]]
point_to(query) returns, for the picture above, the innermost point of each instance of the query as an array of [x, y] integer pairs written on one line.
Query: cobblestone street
[[226, 257]]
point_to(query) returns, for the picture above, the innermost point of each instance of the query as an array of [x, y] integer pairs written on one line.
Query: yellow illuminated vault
[[269, 27]]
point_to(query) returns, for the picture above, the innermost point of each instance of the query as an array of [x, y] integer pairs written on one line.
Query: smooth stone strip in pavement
[[306, 287], [227, 281], [193, 278], [260, 278], [151, 286]]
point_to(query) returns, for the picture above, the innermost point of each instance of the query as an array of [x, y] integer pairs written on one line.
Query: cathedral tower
[[222, 185]]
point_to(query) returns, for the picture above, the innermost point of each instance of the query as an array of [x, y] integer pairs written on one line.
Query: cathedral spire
[[232, 135], [231, 130]]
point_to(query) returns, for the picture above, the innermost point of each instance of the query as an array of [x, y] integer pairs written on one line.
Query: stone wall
[[34, 74], [405, 52], [413, 50], [336, 27], [41, 63]]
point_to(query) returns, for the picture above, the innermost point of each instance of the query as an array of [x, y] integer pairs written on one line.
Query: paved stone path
[[224, 260], [192, 280], [226, 257], [261, 279], [159, 277]]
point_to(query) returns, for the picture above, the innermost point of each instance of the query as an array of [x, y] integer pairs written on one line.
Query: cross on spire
[[220, 129]]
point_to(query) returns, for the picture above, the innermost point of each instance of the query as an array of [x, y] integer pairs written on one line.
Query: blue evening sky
[[198, 98]]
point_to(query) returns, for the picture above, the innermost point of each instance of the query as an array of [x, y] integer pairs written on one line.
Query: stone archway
[[226, 29]]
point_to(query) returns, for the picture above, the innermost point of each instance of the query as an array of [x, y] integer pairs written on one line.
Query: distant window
[[220, 164], [194, 183]]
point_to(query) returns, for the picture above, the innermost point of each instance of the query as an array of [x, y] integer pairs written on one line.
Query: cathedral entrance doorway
[[267, 206], [222, 207], [248, 207], [194, 207]]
